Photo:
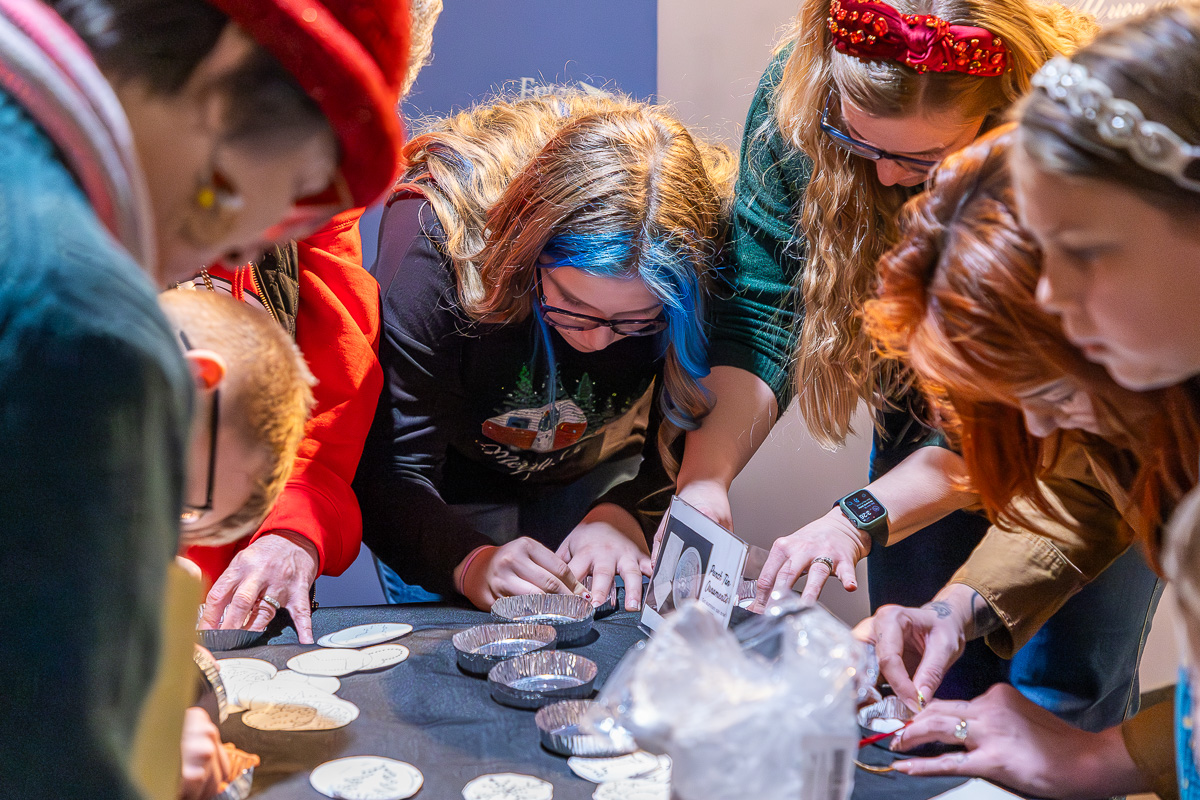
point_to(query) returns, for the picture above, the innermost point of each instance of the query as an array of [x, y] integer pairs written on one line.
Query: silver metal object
[[960, 730], [570, 615], [235, 639], [888, 708], [538, 679], [559, 728], [484, 646], [239, 787]]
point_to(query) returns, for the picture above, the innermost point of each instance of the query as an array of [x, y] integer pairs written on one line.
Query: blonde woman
[[543, 267], [862, 99]]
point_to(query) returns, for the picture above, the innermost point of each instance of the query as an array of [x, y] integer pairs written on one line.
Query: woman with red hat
[[318, 290], [165, 135]]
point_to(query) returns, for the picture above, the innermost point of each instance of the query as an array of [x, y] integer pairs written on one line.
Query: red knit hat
[[350, 56]]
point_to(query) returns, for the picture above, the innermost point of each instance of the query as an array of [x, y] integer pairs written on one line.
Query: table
[[429, 713]]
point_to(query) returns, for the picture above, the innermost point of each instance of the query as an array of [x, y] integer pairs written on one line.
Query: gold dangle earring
[[216, 206]]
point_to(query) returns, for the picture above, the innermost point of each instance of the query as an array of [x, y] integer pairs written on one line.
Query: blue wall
[[482, 46], [479, 45]]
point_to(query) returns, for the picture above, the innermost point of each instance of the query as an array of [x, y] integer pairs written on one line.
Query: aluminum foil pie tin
[[558, 725], [484, 646], [878, 717], [538, 679], [239, 787], [233, 639], [570, 615]]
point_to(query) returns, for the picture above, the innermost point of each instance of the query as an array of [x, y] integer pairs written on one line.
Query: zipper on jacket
[[256, 280]]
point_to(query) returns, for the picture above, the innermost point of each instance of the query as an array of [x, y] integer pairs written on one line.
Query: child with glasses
[[543, 269]]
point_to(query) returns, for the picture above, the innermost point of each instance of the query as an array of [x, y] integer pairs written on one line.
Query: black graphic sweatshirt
[[466, 414]]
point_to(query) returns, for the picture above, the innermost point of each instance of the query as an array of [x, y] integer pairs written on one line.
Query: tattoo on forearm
[[942, 609], [984, 619]]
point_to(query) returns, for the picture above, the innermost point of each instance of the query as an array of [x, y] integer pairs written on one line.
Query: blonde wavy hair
[[848, 218], [611, 186], [423, 15]]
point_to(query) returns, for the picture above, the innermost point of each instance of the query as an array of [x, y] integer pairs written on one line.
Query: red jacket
[[337, 330]]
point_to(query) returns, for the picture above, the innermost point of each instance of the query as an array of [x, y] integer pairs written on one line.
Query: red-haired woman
[[956, 300]]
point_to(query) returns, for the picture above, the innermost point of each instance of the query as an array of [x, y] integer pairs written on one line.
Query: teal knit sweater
[[756, 318], [94, 410]]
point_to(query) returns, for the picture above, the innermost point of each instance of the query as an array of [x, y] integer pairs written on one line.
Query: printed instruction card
[[699, 560]]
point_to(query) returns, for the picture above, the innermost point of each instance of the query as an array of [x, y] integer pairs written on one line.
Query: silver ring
[[826, 560], [960, 730], [271, 601]]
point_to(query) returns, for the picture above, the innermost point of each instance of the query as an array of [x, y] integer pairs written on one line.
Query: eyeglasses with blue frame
[[860, 148]]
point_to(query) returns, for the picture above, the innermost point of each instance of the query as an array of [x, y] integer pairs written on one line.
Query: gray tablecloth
[[427, 712]]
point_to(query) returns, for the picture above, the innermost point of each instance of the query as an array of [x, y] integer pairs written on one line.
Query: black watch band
[[867, 514]]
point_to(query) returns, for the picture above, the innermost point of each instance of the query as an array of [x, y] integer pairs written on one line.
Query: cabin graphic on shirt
[[542, 430], [528, 421]]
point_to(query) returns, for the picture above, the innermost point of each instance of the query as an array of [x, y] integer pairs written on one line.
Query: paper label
[[827, 767]]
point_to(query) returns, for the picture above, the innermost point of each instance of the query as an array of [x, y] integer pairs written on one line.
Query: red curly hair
[[956, 300]]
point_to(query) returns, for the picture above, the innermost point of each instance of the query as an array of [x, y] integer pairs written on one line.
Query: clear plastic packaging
[[766, 711]]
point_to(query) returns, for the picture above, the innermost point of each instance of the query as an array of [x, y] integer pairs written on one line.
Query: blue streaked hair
[[608, 185], [668, 274]]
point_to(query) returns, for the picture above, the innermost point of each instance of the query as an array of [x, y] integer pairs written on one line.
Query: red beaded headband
[[875, 31]]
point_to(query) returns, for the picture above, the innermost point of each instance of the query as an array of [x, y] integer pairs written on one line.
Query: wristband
[[461, 584]]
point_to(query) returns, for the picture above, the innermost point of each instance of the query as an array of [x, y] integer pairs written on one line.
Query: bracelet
[[460, 584]]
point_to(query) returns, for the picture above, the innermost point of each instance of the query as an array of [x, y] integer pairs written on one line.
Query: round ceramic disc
[[328, 662], [617, 768], [247, 665], [326, 683], [384, 655], [239, 674], [508, 786], [309, 715], [284, 692], [632, 790], [366, 778], [364, 635]]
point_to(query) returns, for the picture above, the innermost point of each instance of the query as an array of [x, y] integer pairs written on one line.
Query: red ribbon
[[875, 31]]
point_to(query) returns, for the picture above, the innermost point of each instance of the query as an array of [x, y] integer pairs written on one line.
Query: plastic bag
[[771, 717]]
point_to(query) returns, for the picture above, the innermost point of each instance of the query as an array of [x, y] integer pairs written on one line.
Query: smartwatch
[[867, 514]]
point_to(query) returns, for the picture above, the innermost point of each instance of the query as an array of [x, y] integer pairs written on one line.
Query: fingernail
[[921, 701]]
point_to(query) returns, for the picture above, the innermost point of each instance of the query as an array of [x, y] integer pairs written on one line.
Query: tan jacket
[[1027, 576]]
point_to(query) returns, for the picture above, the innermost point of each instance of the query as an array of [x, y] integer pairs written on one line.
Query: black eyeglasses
[[571, 321], [860, 148], [192, 514]]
